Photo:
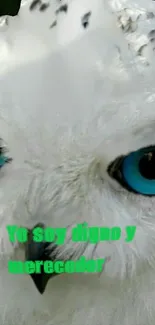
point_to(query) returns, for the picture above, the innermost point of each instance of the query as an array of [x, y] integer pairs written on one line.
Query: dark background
[[9, 7]]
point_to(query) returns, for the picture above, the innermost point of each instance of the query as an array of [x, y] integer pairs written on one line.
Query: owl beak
[[38, 252]]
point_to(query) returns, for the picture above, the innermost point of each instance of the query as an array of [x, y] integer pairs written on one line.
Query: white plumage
[[73, 99]]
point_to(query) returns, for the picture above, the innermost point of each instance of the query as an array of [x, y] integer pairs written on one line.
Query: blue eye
[[138, 171], [4, 160]]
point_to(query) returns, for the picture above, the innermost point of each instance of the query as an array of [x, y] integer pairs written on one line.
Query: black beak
[[38, 252]]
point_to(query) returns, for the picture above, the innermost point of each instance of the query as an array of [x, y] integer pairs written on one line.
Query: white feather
[[71, 101]]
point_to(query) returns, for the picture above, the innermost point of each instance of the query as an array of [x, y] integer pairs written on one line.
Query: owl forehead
[[108, 108], [48, 26]]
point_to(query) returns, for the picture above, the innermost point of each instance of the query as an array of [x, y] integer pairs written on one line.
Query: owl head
[[77, 113]]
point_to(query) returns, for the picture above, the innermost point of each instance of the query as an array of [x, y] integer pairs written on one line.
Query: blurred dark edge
[[9, 7]]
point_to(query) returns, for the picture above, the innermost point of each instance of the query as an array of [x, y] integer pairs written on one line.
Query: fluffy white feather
[[72, 99]]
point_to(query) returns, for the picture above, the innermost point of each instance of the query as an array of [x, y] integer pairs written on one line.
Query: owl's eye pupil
[[147, 165], [136, 171]]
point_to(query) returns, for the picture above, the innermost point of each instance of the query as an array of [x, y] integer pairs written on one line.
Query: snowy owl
[[77, 120]]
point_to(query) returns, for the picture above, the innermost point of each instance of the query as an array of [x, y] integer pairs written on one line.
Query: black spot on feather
[[85, 19], [44, 6], [63, 8], [34, 4], [54, 24]]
